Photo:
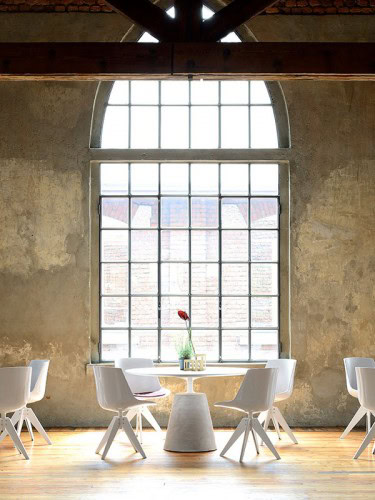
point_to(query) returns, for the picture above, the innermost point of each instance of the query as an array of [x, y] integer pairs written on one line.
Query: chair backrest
[[366, 387], [138, 383], [113, 391], [14, 388], [350, 373], [258, 389], [285, 376], [38, 378]]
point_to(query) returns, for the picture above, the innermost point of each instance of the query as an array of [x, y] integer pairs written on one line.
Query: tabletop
[[174, 371]]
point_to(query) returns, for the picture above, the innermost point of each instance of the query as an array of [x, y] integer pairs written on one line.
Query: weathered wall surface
[[44, 224]]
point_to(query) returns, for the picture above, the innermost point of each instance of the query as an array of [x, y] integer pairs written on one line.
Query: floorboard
[[320, 466]]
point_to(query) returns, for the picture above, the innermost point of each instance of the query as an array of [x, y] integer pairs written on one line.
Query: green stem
[[190, 336]]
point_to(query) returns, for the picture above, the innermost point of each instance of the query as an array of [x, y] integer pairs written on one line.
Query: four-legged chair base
[[360, 413], [27, 415], [6, 427], [278, 420]]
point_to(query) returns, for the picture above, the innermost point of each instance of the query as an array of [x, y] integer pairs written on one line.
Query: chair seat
[[161, 393]]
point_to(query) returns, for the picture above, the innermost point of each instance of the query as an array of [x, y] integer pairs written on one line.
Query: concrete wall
[[44, 224]]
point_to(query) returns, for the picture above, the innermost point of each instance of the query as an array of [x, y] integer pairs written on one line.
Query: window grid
[[189, 105], [220, 263]]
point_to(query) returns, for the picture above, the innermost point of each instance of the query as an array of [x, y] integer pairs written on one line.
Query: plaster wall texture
[[45, 219]]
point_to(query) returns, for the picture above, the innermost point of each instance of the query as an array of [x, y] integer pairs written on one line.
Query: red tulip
[[183, 315]]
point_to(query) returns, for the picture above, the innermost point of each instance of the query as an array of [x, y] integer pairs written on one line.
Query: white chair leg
[[131, 414], [255, 440], [361, 412], [276, 424], [15, 438], [105, 437], [112, 435], [38, 426], [14, 420], [281, 420], [151, 419], [140, 436], [266, 422], [236, 434], [245, 438], [29, 428], [262, 416], [368, 421], [365, 442], [20, 421], [263, 436], [127, 428]]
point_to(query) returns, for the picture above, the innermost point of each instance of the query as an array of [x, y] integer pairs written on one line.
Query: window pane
[[235, 179], [207, 342], [204, 127], [144, 127], [114, 344], [144, 245], [204, 178], [205, 246], [264, 279], [264, 344], [205, 279], [264, 213], [204, 212], [169, 308], [234, 212], [204, 92], [114, 178], [235, 312], [144, 279], [205, 311], [234, 92], [263, 127], [235, 245], [144, 92], [114, 246], [119, 93], [174, 245], [264, 246], [115, 133], [234, 127], [175, 279], [264, 312], [144, 212], [144, 312], [174, 212], [144, 178], [175, 127], [265, 179], [169, 342], [259, 93], [235, 279], [114, 279], [174, 92], [235, 344], [144, 344], [115, 312], [174, 178], [115, 213]]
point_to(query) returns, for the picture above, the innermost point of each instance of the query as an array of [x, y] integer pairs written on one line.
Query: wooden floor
[[320, 466]]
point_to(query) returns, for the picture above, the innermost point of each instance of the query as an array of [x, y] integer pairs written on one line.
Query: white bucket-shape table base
[[190, 426]]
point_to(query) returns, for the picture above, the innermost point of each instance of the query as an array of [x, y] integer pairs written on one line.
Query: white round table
[[190, 426]]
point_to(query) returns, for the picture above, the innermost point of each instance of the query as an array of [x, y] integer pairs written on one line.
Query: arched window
[[186, 233]]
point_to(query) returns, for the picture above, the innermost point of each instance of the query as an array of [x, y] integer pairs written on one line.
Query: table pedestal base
[[190, 426]]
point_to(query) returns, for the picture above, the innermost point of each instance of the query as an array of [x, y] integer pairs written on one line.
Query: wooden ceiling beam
[[188, 20], [149, 16], [249, 61], [231, 16]]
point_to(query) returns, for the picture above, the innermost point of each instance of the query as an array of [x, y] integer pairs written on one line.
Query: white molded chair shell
[[350, 372], [285, 377], [257, 391], [138, 384], [366, 387], [38, 379], [14, 388]]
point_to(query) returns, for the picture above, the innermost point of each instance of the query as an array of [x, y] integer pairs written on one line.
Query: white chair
[[351, 383], [38, 389], [284, 389], [114, 394], [143, 388], [366, 396], [256, 394], [14, 394]]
